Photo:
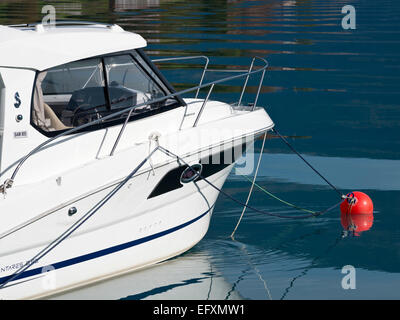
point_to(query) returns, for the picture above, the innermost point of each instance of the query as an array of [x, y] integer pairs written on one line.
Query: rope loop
[[6, 185]]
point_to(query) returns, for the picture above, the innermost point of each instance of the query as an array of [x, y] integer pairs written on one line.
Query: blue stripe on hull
[[104, 252]]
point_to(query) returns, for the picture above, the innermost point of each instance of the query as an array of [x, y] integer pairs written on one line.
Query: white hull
[[121, 246], [130, 231]]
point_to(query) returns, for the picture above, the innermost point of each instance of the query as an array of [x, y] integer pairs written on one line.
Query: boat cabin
[[53, 79]]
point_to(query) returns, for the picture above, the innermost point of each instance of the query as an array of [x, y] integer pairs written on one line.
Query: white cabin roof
[[42, 47]]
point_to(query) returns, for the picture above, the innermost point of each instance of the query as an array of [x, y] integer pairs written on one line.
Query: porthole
[[191, 173]]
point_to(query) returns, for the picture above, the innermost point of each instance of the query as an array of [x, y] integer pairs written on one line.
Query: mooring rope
[[277, 198], [252, 185], [342, 196], [318, 213]]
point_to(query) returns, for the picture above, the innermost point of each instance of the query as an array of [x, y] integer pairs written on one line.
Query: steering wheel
[[85, 116]]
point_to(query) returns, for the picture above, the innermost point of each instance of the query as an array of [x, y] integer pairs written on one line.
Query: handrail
[[205, 69], [203, 105], [245, 82], [61, 23], [40, 26], [189, 58], [9, 182]]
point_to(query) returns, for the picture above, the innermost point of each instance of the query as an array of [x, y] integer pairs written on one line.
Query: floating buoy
[[357, 202], [357, 212]]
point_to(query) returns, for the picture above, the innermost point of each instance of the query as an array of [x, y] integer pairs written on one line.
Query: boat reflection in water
[[190, 276]]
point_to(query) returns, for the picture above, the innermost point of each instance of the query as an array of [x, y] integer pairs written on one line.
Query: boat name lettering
[[20, 134], [15, 266]]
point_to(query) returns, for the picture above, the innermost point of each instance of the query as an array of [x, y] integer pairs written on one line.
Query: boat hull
[[95, 253], [146, 221]]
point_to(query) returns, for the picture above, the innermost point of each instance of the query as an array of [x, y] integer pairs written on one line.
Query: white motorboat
[[103, 164]]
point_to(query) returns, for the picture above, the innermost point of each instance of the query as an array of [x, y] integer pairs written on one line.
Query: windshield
[[79, 92]]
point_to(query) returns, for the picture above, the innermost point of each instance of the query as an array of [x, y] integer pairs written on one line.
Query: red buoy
[[357, 212]]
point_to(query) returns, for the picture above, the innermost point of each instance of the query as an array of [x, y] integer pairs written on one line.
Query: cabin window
[[77, 93], [68, 95], [129, 85]]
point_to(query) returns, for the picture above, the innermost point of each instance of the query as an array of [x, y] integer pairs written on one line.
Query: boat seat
[[56, 123]]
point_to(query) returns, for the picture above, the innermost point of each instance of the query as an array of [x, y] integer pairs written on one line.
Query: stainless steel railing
[[207, 60], [246, 73], [243, 73]]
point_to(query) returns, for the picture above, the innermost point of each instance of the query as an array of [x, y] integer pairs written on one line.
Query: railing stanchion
[[245, 82], [121, 132], [258, 90], [189, 58], [203, 105], [202, 77]]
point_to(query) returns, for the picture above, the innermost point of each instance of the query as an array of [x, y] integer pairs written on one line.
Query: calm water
[[338, 87]]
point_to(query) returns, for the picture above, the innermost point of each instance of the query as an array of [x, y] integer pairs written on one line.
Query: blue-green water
[[338, 87]]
